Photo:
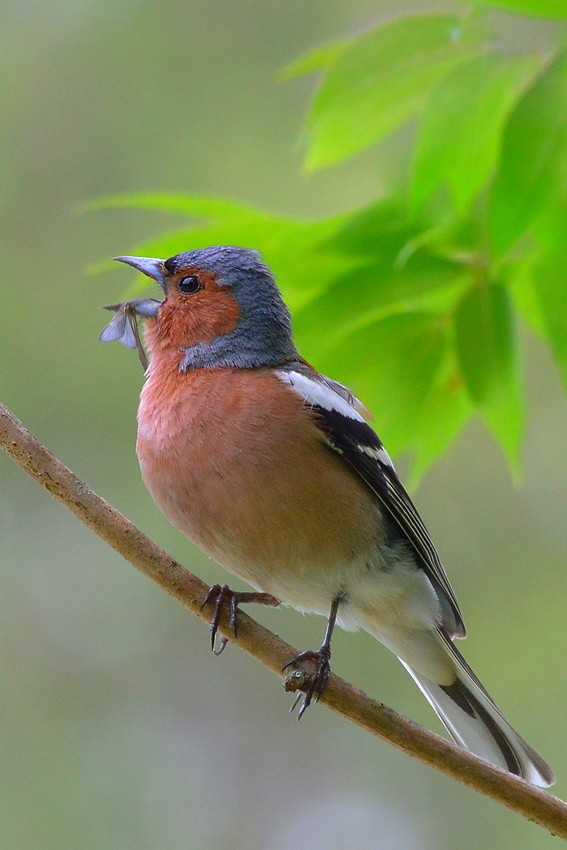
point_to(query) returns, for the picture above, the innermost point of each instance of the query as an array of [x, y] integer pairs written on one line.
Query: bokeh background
[[119, 729]]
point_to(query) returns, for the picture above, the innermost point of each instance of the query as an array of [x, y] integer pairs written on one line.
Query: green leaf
[[459, 138], [380, 81], [370, 293], [196, 206], [440, 417], [547, 276], [525, 298], [548, 279], [554, 9], [390, 365], [378, 231], [534, 157], [382, 232], [315, 60], [488, 355]]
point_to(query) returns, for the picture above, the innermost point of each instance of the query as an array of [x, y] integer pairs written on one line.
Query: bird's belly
[[266, 498]]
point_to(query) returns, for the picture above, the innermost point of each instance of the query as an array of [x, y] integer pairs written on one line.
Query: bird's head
[[221, 308]]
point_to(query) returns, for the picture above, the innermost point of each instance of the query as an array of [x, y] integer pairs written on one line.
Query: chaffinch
[[272, 470]]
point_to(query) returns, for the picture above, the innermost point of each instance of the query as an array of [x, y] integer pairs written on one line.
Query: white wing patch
[[377, 454], [316, 393]]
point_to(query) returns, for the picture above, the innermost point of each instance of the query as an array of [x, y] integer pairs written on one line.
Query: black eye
[[190, 284]]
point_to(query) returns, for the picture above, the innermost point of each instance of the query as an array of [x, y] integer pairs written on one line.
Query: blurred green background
[[119, 728]]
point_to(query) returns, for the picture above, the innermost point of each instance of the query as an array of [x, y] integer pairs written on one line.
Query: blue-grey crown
[[263, 336]]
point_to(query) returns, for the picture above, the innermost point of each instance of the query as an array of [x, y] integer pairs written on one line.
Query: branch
[[531, 802]]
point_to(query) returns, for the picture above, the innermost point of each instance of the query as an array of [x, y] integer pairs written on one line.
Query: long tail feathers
[[475, 722]]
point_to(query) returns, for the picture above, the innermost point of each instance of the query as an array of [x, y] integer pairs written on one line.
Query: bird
[[272, 469]]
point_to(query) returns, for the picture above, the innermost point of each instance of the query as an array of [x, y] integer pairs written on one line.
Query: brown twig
[[533, 803]]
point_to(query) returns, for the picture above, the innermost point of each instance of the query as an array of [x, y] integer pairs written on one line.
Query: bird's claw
[[216, 595], [315, 682], [220, 595]]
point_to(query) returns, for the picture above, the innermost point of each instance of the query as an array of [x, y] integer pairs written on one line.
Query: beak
[[147, 265]]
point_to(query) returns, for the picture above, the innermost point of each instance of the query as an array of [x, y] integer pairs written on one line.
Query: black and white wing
[[336, 412]]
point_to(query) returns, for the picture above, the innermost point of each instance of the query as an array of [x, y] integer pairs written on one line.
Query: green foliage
[[487, 351], [379, 81], [547, 275], [553, 9], [414, 300], [534, 157], [458, 142]]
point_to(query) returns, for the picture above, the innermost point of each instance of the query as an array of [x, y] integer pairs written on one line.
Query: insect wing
[[115, 328]]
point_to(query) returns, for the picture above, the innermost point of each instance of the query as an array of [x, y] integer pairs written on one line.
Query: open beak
[[124, 325], [147, 265]]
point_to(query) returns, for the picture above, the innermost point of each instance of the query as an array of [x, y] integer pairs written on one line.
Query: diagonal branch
[[533, 803]]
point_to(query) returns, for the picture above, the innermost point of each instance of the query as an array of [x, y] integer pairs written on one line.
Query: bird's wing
[[345, 430]]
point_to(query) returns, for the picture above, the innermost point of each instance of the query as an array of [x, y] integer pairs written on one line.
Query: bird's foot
[[311, 684], [220, 595]]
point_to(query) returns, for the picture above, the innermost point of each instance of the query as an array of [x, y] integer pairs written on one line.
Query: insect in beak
[[124, 326]]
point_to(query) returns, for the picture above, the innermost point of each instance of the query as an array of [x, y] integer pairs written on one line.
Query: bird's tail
[[474, 721]]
